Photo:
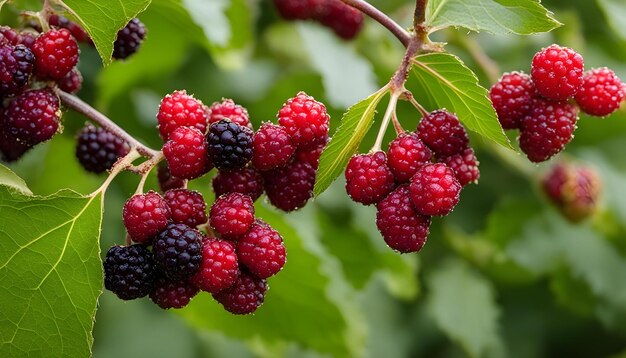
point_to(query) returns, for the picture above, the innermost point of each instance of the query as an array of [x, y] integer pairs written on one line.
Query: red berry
[[272, 146], [187, 206], [186, 153], [33, 117], [464, 166], [368, 178], [403, 229], [435, 190], [228, 109], [172, 293], [145, 215], [344, 20], [262, 250], [8, 36], [181, 110], [574, 190], [232, 214], [311, 156], [601, 92], [97, 149], [512, 98], [72, 82], [77, 31], [557, 72], [56, 53], [16, 66], [442, 132], [297, 9], [219, 269], [289, 188], [547, 129], [305, 119], [247, 181], [245, 296], [129, 39], [166, 180], [406, 154]]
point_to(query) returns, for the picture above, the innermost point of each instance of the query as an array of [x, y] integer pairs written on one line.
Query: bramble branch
[[382, 19]]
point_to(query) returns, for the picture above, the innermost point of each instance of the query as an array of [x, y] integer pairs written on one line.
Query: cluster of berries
[[33, 65], [574, 190], [344, 20], [420, 176], [544, 106], [172, 259]]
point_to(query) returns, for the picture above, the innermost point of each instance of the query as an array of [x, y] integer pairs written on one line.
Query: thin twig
[[382, 18], [391, 107], [85, 109], [420, 14], [399, 78], [396, 123]]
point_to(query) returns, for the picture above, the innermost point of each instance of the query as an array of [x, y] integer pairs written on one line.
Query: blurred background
[[503, 276]]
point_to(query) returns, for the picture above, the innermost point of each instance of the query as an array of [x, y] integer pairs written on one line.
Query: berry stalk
[[391, 108], [382, 18]]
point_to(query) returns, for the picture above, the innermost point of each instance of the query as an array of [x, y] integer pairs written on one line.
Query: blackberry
[[289, 188], [172, 293], [16, 67], [33, 117], [232, 214], [11, 149], [262, 250], [245, 296], [178, 251], [98, 149], [247, 181], [129, 271], [129, 39], [230, 145]]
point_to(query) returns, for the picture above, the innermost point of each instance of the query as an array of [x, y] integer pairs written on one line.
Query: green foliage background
[[503, 276]]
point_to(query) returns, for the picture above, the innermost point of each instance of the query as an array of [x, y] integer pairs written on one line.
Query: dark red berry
[[232, 214], [11, 149], [8, 36], [403, 228], [228, 109], [311, 156], [16, 66], [219, 269], [56, 53], [464, 166], [33, 117], [273, 147], [186, 153], [298, 9], [230, 145], [547, 129], [262, 250], [512, 98], [27, 39], [575, 190], [406, 154], [72, 82], [368, 178], [129, 271], [98, 149], [306, 120], [245, 296], [172, 293], [344, 20], [442, 132], [601, 93], [247, 181], [129, 39], [77, 31], [181, 110], [557, 72], [166, 180], [178, 250], [188, 206], [290, 187], [145, 215], [435, 191]]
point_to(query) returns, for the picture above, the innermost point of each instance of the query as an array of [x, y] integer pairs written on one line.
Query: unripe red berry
[[557, 72], [435, 190], [601, 93], [368, 178]]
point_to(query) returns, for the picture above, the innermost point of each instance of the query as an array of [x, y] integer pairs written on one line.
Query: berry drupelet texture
[[178, 251], [245, 296], [368, 178], [181, 110], [33, 117], [273, 147], [98, 149], [72, 82], [557, 72], [512, 98], [16, 67], [129, 39], [435, 191], [172, 293], [166, 180], [464, 166], [219, 269], [56, 54], [129, 271], [247, 181], [261, 250], [145, 216], [232, 214], [77, 31], [188, 206], [228, 109], [230, 145], [601, 93], [442, 132], [306, 120], [289, 188], [186, 153], [406, 154]]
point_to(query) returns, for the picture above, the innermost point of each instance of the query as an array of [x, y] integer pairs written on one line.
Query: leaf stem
[[382, 18], [391, 107], [85, 109]]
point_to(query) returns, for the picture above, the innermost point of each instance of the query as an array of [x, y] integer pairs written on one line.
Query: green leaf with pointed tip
[[102, 19], [50, 273], [441, 80], [10, 179], [344, 143], [522, 17]]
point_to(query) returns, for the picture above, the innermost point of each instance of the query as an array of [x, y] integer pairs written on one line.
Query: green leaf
[[10, 179], [463, 305], [297, 297], [102, 19], [615, 12], [522, 17], [443, 81], [50, 273], [2, 2], [344, 143]]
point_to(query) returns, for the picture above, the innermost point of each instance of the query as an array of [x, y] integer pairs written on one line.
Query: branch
[[401, 75], [371, 11], [420, 14], [85, 109]]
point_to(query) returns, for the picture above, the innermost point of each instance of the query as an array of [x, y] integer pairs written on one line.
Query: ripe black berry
[[129, 271], [230, 145], [98, 149]]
